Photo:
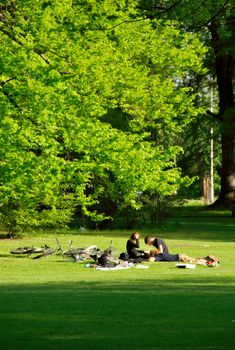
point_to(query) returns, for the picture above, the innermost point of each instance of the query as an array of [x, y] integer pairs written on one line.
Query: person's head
[[135, 235], [149, 240]]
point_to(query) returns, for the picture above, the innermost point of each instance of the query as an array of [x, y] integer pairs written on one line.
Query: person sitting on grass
[[132, 246]]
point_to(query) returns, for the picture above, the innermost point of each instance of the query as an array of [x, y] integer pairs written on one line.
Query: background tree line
[[215, 21]]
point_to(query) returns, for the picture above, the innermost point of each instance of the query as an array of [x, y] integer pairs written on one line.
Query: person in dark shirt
[[161, 253], [132, 246], [158, 243]]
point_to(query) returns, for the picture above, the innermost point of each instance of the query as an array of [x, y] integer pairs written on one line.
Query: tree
[[216, 21], [65, 67]]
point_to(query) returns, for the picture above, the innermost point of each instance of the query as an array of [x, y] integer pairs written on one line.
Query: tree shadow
[[192, 313], [212, 229]]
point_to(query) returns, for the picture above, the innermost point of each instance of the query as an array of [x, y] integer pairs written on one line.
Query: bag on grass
[[104, 261], [124, 256]]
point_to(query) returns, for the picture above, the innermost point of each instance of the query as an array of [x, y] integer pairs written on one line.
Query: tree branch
[[10, 35], [207, 23], [165, 9], [7, 81], [10, 99], [117, 25]]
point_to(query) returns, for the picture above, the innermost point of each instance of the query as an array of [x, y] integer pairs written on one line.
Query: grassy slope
[[56, 304]]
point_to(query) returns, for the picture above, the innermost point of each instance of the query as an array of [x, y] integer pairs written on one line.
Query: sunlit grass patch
[[52, 303]]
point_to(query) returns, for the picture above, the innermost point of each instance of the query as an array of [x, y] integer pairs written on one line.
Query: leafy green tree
[[67, 69], [216, 21]]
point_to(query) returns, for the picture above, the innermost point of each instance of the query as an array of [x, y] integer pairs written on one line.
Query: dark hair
[[133, 235], [148, 239]]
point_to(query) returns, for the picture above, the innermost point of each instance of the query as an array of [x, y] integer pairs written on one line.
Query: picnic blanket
[[122, 267]]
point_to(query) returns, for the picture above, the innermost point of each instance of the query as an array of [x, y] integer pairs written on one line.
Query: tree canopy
[[69, 71]]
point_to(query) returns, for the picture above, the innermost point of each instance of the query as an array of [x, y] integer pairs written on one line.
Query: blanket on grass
[[122, 267]]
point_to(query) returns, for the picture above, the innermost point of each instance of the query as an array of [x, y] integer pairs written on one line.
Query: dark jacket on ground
[[167, 257]]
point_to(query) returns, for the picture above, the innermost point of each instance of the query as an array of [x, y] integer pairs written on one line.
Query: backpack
[[124, 256], [104, 261]]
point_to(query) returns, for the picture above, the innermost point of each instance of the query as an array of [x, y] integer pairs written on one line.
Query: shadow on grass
[[187, 314], [212, 229], [199, 211]]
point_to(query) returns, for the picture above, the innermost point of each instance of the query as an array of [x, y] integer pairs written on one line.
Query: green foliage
[[64, 66], [214, 20]]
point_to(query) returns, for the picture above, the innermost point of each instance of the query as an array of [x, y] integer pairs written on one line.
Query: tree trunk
[[224, 64]]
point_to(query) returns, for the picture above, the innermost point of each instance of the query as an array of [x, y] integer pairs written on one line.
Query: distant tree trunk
[[225, 66]]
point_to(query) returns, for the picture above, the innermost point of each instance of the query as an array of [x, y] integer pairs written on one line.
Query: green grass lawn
[[54, 304]]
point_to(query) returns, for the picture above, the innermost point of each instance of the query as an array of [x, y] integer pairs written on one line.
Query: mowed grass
[[53, 304]]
